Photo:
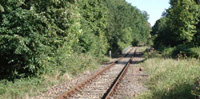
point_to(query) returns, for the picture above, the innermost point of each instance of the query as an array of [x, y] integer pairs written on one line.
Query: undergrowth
[[31, 86], [172, 79], [180, 51]]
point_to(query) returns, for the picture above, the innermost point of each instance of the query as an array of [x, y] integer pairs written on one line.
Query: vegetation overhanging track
[[80, 85], [111, 90]]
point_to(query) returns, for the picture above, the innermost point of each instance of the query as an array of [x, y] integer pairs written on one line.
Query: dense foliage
[[33, 32], [180, 25], [179, 29], [36, 35], [177, 35], [126, 24]]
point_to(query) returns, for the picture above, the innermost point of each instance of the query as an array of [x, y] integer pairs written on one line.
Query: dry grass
[[171, 79]]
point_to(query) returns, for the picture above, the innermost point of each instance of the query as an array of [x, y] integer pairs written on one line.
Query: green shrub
[[184, 51], [24, 42], [152, 54], [194, 52], [181, 51], [31, 32], [167, 52], [68, 68]]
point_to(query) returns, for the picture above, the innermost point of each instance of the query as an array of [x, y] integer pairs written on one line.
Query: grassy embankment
[[171, 78], [27, 87]]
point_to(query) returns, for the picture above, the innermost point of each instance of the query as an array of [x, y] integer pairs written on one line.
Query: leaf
[[1, 8]]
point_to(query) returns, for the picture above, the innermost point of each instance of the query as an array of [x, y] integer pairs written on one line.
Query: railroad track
[[102, 84]]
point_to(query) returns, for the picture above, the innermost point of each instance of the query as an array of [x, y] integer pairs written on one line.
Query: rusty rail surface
[[112, 88], [80, 85]]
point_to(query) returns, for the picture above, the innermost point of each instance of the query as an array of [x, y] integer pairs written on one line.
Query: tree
[[124, 17], [35, 35], [161, 33], [182, 24], [183, 19]]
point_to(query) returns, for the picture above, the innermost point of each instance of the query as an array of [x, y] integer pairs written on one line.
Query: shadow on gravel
[[133, 62], [137, 62], [123, 62], [137, 55]]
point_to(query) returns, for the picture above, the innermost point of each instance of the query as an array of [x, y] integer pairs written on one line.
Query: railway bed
[[102, 84]]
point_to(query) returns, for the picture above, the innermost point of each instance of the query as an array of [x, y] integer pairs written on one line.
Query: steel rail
[[112, 88], [80, 85]]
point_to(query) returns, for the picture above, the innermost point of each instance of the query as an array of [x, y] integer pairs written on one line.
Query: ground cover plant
[[171, 79]]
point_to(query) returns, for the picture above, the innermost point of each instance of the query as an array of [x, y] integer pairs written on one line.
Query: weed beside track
[[171, 79]]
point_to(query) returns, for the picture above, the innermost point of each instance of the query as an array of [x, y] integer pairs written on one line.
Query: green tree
[[124, 17], [182, 24], [183, 19], [35, 35], [94, 22], [161, 33], [31, 32]]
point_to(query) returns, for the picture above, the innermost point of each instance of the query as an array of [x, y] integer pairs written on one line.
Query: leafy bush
[[93, 39], [68, 68], [31, 32], [180, 51], [167, 52], [152, 54], [183, 51], [24, 42], [194, 52]]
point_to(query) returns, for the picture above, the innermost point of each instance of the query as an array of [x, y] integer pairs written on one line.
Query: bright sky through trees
[[153, 7]]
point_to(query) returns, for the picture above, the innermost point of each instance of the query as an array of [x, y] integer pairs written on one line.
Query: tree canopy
[[37, 34], [180, 25]]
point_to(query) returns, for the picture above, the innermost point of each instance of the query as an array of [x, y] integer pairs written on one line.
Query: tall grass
[[171, 79]]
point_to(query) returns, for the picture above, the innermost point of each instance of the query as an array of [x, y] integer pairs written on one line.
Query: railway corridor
[[98, 86], [133, 82], [130, 85]]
